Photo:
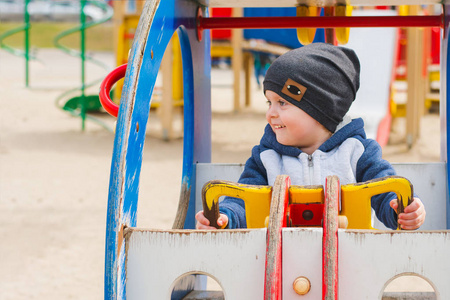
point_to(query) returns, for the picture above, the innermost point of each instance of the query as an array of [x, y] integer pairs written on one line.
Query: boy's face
[[292, 126]]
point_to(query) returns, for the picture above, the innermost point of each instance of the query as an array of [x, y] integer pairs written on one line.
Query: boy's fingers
[[224, 218], [410, 224], [408, 221], [394, 204], [201, 218], [413, 215], [410, 208], [412, 221], [197, 215], [414, 210], [416, 204], [203, 222], [222, 221], [201, 226], [410, 215]]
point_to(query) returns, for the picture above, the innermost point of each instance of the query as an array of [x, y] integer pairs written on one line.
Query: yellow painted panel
[[356, 198], [256, 199], [306, 194]]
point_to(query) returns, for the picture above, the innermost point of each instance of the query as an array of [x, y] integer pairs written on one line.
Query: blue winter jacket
[[347, 154]]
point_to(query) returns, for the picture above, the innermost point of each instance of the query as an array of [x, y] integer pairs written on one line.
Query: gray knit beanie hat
[[321, 79]]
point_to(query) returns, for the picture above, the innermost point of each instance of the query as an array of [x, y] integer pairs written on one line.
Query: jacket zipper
[[310, 167]]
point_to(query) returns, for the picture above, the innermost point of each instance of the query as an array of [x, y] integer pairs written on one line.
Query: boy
[[309, 90]]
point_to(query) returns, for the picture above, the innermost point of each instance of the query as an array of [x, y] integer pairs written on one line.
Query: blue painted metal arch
[[152, 37]]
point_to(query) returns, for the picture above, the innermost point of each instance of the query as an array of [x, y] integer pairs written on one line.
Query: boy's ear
[[294, 89]]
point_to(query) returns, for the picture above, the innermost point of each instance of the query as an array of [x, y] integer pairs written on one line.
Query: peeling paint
[[183, 205]]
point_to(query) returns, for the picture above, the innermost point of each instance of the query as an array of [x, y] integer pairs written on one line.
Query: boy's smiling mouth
[[278, 126]]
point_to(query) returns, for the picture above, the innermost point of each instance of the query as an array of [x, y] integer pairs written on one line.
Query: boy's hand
[[413, 215], [203, 222]]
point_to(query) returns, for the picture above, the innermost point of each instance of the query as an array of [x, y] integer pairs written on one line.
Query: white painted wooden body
[[368, 261], [234, 258]]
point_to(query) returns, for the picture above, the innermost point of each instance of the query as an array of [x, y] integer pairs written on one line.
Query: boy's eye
[[282, 102], [269, 103]]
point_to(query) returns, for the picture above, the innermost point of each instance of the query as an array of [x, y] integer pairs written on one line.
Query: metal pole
[[83, 60], [26, 18]]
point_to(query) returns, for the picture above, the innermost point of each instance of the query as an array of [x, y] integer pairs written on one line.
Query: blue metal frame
[[132, 121], [189, 121]]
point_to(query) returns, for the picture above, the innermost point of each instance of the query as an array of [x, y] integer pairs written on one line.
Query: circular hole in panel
[[408, 286], [196, 286]]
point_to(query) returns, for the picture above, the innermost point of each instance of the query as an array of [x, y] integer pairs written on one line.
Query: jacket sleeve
[[371, 166], [254, 173]]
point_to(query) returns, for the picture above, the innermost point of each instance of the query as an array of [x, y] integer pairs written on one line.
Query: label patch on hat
[[293, 89]]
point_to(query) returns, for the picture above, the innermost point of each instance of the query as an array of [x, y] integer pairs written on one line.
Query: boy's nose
[[271, 112]]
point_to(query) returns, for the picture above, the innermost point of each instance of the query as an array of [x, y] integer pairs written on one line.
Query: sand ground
[[54, 177]]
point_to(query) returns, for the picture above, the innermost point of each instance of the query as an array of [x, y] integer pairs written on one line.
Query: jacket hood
[[354, 129]]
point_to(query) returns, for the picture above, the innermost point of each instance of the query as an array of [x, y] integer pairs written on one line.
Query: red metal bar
[[330, 241], [319, 22], [273, 281]]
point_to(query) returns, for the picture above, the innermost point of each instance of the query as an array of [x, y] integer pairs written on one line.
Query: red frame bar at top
[[318, 22], [315, 22]]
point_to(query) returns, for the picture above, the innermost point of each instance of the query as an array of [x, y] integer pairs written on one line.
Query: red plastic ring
[[105, 88]]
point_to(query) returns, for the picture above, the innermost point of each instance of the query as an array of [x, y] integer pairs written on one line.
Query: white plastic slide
[[375, 48]]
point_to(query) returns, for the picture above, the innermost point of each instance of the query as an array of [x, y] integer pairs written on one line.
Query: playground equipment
[[245, 47], [416, 66], [26, 52], [126, 18], [256, 263], [372, 99], [170, 93], [28, 13], [80, 105]]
